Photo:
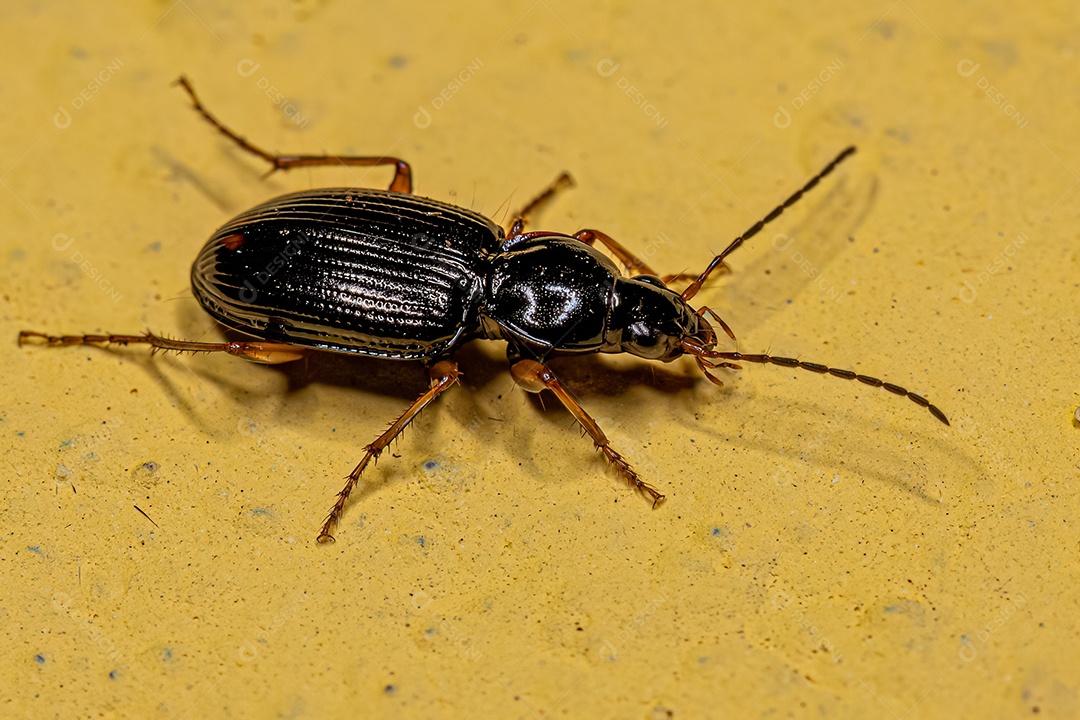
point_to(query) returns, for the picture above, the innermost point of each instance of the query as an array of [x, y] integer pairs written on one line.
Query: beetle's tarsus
[[627, 472]]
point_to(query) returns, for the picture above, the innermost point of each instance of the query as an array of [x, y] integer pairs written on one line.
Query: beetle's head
[[652, 321]]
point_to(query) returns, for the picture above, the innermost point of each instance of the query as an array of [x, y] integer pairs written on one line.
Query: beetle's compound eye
[[651, 280], [644, 341]]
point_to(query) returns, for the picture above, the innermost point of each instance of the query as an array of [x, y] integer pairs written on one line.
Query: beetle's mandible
[[389, 274]]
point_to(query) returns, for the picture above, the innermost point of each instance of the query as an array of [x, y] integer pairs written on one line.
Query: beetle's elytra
[[373, 272], [393, 275]]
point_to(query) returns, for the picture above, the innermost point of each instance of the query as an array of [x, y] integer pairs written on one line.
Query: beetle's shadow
[[485, 373], [770, 273], [789, 438], [590, 377], [587, 375]]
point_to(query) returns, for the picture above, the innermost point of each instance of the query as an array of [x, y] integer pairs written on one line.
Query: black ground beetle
[[388, 274]]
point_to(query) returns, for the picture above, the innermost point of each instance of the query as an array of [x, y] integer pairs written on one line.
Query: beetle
[[389, 274]]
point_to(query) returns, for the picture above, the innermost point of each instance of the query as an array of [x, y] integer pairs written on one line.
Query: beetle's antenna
[[705, 360], [754, 229]]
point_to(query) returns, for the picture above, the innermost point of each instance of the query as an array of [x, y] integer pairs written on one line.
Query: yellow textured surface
[[825, 549]]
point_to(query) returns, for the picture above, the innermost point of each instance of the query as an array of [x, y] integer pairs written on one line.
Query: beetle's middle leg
[[443, 374], [402, 181], [534, 376], [630, 261]]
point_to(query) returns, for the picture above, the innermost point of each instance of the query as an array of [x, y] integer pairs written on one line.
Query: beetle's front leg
[[443, 374], [534, 376]]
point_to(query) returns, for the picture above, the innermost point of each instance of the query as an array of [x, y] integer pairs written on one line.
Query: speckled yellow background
[[825, 549]]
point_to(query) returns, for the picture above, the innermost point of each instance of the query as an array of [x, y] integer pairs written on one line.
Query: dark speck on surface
[[39, 659], [113, 674], [154, 247], [421, 541], [901, 135], [430, 465], [389, 689], [34, 549], [577, 54], [398, 61]]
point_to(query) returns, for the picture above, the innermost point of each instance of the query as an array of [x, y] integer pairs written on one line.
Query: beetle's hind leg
[[270, 353], [517, 227], [443, 374], [534, 376], [401, 183]]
